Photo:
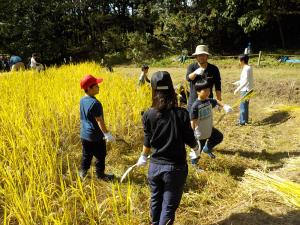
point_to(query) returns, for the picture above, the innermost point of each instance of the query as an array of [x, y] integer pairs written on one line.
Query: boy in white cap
[[93, 131], [203, 70]]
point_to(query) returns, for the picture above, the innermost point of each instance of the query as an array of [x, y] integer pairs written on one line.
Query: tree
[[263, 12]]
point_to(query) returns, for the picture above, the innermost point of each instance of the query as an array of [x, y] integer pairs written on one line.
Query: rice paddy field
[[254, 179]]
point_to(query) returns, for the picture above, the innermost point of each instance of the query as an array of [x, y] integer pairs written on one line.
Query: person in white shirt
[[34, 64], [244, 85], [143, 77]]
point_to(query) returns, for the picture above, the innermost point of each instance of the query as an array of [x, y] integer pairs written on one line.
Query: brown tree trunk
[[280, 32]]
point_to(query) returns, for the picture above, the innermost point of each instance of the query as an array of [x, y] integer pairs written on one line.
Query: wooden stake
[[259, 57]]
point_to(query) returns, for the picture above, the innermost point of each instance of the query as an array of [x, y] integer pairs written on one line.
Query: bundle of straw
[[289, 190], [285, 108], [294, 164]]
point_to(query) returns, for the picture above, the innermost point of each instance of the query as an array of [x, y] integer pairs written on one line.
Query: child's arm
[[144, 156], [219, 103], [243, 81], [108, 136], [101, 124], [227, 108], [146, 150], [242, 84], [193, 124], [147, 79]]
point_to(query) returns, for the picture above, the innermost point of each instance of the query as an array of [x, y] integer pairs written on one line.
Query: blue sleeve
[[147, 130], [97, 110], [194, 111]]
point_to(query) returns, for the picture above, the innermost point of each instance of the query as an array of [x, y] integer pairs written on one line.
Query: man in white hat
[[203, 70]]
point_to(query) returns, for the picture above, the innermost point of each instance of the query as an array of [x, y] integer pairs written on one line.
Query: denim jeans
[[166, 184], [244, 109], [90, 149]]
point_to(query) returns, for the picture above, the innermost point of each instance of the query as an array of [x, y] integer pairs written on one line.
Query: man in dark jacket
[[203, 70]]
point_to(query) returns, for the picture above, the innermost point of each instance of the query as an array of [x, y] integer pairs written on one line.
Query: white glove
[[108, 137], [195, 152], [142, 160], [199, 71], [235, 92], [227, 108]]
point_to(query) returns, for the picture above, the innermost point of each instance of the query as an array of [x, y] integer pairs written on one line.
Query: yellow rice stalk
[[290, 191], [40, 146], [286, 108], [293, 164]]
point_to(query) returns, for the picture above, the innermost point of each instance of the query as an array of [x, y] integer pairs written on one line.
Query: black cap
[[202, 84], [244, 58], [161, 80]]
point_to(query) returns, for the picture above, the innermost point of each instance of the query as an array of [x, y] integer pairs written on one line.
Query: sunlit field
[[40, 145], [40, 151]]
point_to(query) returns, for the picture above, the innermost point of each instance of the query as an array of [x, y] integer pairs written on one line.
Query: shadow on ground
[[259, 217], [135, 177], [275, 157], [276, 118]]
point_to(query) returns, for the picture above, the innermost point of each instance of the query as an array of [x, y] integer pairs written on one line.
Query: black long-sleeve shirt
[[167, 133], [213, 76]]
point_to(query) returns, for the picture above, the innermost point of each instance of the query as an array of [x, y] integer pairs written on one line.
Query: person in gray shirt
[[201, 115]]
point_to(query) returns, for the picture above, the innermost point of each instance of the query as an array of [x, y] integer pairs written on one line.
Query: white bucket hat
[[201, 49]]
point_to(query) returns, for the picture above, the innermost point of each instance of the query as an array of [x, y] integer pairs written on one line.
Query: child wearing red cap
[[93, 131]]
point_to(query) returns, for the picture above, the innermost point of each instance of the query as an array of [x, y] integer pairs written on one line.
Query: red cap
[[89, 80]]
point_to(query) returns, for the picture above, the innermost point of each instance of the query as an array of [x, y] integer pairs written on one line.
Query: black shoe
[[106, 177], [211, 155]]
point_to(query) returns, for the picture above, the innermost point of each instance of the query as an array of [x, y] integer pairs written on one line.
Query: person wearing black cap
[[167, 129], [201, 115], [201, 69]]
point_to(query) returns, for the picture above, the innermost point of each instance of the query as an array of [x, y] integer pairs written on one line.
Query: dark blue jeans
[[244, 110], [90, 149], [166, 184]]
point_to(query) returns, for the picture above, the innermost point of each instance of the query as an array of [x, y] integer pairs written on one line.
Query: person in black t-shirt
[[167, 129], [203, 70]]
